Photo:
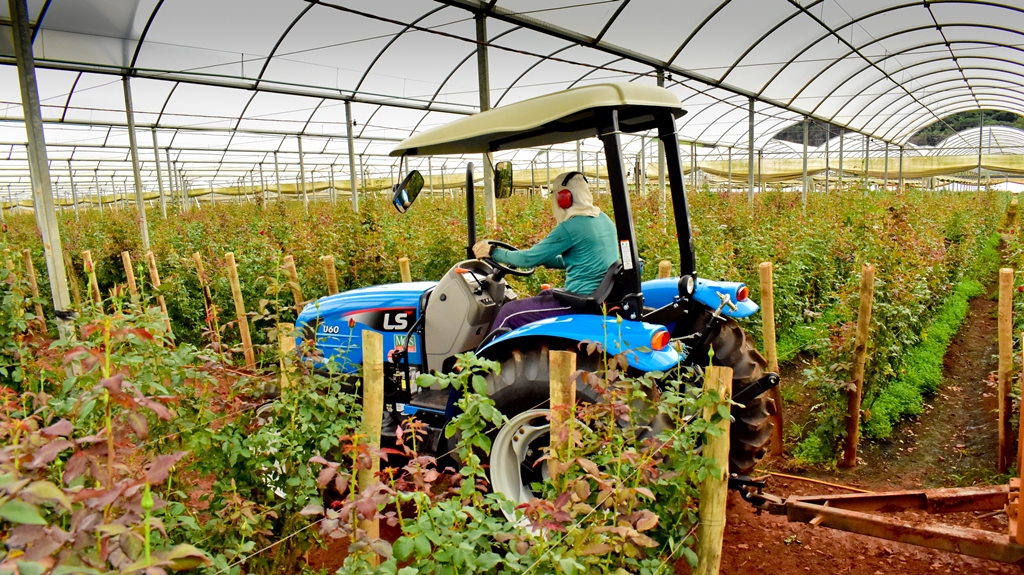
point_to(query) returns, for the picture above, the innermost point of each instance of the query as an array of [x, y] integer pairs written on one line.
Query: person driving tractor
[[583, 243]]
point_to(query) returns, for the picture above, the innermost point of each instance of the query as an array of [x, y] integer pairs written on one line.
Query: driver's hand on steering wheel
[[483, 249]]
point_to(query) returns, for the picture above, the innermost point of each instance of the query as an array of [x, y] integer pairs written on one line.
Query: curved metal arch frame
[[898, 127], [874, 65], [856, 21], [987, 102], [695, 31], [902, 97]]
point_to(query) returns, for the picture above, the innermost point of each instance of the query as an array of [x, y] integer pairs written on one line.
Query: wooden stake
[[715, 489], [154, 278], [293, 282], [563, 402], [129, 273], [373, 412], [664, 269], [860, 353], [403, 268], [286, 342], [76, 292], [30, 272], [768, 336], [211, 310], [332, 276], [1020, 457], [243, 321], [1005, 365], [90, 272]]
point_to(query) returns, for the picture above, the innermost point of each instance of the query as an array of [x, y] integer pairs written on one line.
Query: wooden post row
[[1005, 324], [154, 278], [860, 352], [243, 320], [30, 271], [562, 364], [332, 276], [293, 282], [770, 350], [403, 268], [211, 310], [664, 269], [90, 272], [129, 273], [715, 489], [373, 413], [1020, 456]]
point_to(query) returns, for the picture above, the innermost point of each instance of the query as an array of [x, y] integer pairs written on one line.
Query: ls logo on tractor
[[396, 320], [384, 319]]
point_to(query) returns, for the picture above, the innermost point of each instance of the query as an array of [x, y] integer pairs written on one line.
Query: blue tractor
[[658, 325]]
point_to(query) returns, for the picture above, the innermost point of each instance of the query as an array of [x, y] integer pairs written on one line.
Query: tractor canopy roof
[[550, 119]]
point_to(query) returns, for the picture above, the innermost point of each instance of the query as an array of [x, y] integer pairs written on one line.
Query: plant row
[[922, 244], [124, 453]]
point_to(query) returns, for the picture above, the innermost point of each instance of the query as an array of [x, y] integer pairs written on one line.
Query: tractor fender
[[661, 292], [612, 335]]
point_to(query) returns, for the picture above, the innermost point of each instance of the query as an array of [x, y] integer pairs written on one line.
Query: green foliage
[[623, 501]]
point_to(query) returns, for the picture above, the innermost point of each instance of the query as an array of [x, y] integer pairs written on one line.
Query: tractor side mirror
[[503, 180], [407, 191]]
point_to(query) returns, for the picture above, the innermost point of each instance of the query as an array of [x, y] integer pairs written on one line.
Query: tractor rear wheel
[[752, 426], [521, 391]]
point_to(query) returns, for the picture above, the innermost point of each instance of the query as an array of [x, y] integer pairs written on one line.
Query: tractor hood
[[336, 323]]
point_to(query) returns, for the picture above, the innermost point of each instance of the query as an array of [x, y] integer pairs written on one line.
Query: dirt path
[[952, 444]]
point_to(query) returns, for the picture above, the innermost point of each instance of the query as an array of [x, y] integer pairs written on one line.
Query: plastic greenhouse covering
[[223, 90]]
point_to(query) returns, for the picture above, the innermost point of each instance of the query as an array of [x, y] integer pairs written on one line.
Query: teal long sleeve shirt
[[582, 245]]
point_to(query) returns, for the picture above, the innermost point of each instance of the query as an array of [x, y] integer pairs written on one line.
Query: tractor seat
[[604, 295]]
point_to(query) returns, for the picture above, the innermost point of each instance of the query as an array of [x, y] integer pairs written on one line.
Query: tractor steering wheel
[[507, 268]]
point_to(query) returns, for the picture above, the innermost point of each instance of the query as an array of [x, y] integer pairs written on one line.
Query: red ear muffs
[[564, 196], [564, 199]]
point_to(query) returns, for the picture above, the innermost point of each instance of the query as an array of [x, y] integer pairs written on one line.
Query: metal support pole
[[39, 168], [981, 136], [430, 177], [134, 145], [99, 194], [579, 157], [750, 152], [277, 176], [730, 169], [159, 176], [641, 169], [333, 189], [263, 187], [547, 160], [302, 175], [828, 136], [351, 156], [661, 151], [170, 179], [900, 188], [867, 155], [841, 134], [807, 129], [886, 180], [74, 192], [693, 166], [760, 161], [484, 77]]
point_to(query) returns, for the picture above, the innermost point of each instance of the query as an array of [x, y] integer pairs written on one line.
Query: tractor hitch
[[756, 389]]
